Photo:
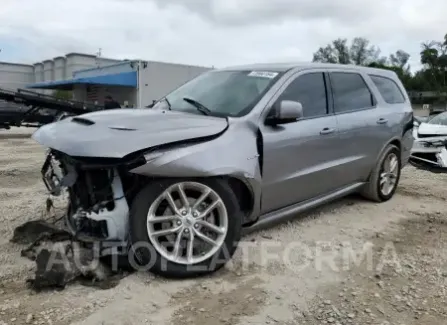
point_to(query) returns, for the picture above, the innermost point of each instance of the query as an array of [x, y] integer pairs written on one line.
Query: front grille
[[431, 135]]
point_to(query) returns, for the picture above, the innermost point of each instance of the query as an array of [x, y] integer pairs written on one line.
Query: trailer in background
[[31, 109]]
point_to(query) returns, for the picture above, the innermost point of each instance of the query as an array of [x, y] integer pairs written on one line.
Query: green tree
[[63, 94], [434, 61], [433, 57], [399, 59], [359, 52], [336, 52]]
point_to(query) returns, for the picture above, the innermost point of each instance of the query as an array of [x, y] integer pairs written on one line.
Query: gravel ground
[[350, 262]]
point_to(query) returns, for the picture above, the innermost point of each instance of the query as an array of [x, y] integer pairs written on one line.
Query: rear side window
[[350, 92], [388, 89], [310, 90]]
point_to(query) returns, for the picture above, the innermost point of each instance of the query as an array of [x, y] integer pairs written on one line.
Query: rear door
[[362, 128], [395, 107], [301, 158]]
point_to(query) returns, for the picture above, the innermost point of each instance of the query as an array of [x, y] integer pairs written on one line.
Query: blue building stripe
[[127, 79]]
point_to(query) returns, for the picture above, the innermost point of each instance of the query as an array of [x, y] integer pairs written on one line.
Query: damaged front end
[[92, 156], [134, 179], [430, 154], [99, 191], [95, 223]]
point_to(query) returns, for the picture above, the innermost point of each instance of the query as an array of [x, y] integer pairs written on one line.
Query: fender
[[395, 141], [234, 154]]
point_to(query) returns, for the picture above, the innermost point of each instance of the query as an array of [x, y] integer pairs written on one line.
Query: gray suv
[[231, 151]]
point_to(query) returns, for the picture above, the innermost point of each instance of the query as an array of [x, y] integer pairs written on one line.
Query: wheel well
[[396, 143], [243, 194]]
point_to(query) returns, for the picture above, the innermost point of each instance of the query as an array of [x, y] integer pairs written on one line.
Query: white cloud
[[213, 32]]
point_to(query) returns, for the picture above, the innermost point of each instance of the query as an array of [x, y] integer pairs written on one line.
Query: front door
[[300, 159]]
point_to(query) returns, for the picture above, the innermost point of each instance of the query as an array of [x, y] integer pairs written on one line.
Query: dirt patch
[[421, 192], [5, 135], [411, 287], [265, 283], [219, 303], [16, 178], [20, 306]]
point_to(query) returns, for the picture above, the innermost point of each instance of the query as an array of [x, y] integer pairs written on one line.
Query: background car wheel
[[184, 227], [385, 177]]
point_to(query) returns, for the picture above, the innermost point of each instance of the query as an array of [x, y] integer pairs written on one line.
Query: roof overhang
[[124, 79]]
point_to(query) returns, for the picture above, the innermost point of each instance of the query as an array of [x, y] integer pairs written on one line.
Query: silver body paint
[[286, 169]]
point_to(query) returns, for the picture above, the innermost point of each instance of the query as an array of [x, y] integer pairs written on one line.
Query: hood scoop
[[122, 128], [82, 121]]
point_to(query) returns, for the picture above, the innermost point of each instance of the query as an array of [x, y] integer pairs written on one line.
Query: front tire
[[385, 176], [183, 228]]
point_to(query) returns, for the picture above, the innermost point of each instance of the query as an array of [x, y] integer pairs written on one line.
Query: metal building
[[15, 75], [133, 83]]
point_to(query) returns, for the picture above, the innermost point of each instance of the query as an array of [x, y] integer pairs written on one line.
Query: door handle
[[382, 120], [327, 131]]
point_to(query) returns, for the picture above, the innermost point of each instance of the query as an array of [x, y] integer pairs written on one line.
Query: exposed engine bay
[[99, 195]]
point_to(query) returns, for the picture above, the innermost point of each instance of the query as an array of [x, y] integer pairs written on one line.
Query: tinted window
[[310, 91], [350, 92], [388, 89]]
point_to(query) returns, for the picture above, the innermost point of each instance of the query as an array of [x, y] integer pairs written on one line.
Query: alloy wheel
[[187, 223], [389, 174]]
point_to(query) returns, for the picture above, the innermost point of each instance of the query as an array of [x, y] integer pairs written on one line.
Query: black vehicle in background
[[12, 114]]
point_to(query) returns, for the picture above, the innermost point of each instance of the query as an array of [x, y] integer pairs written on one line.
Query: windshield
[[440, 119], [220, 93]]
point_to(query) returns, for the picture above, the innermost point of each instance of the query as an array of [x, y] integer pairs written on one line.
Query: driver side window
[[310, 90]]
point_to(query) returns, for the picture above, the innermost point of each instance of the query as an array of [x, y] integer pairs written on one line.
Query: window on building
[[389, 90], [310, 90], [350, 92]]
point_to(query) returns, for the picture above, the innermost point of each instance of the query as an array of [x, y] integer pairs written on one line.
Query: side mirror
[[285, 111]]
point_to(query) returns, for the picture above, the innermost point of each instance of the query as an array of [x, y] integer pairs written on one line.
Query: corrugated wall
[[13, 76], [159, 78]]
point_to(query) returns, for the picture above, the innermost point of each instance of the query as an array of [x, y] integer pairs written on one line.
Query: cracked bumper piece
[[433, 159], [114, 221]]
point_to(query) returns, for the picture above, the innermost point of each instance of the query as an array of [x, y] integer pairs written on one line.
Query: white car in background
[[429, 148]]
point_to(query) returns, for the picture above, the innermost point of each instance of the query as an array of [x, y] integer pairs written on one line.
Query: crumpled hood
[[117, 133], [432, 129]]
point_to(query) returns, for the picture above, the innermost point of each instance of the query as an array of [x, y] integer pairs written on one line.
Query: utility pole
[[98, 55]]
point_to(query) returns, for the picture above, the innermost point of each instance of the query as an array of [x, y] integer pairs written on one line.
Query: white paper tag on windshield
[[263, 74]]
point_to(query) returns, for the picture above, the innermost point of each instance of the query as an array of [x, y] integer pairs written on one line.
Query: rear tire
[[153, 251], [374, 190]]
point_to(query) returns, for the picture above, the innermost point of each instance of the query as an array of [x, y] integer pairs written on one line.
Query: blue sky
[[13, 50]]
